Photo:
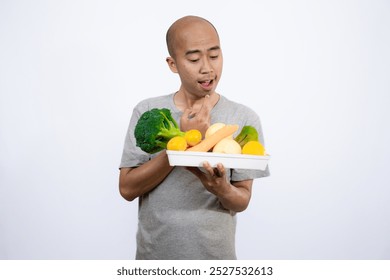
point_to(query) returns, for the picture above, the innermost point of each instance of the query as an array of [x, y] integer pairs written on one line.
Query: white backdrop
[[317, 72]]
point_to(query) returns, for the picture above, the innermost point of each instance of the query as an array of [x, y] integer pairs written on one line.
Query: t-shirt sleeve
[[133, 156], [247, 174]]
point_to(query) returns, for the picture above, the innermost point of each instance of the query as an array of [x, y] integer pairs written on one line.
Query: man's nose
[[206, 66]]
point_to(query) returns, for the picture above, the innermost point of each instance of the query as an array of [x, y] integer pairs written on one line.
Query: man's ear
[[172, 64]]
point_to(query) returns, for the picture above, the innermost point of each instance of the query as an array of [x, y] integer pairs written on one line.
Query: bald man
[[188, 213]]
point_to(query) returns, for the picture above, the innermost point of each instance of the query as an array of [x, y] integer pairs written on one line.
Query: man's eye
[[194, 60], [214, 56]]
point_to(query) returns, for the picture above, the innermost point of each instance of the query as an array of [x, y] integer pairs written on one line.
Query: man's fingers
[[208, 168], [188, 113], [219, 171], [206, 106], [216, 172]]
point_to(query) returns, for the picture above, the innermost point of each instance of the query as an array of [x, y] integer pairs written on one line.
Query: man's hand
[[234, 196], [213, 179], [199, 120]]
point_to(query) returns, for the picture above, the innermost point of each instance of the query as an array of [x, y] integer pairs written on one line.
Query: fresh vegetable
[[213, 128], [253, 148], [209, 143], [177, 143], [193, 137], [227, 146], [154, 129], [248, 133]]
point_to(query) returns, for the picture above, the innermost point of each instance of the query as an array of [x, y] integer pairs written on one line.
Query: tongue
[[206, 84]]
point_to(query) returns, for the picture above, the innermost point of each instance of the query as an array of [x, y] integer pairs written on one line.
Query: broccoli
[[154, 129], [248, 133]]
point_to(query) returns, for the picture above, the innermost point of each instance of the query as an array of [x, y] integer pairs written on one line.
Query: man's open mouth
[[206, 84]]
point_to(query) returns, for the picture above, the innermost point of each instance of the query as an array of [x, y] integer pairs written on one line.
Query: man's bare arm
[[134, 182]]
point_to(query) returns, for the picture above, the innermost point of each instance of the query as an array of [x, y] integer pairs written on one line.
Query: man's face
[[198, 59]]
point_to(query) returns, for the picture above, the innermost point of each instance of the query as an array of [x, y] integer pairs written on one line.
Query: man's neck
[[185, 100]]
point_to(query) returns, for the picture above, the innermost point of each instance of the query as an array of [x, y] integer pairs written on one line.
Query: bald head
[[179, 27]]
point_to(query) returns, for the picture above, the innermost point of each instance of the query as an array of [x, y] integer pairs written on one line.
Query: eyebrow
[[198, 51]]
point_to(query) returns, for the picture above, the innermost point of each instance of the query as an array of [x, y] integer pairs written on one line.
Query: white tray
[[236, 161]]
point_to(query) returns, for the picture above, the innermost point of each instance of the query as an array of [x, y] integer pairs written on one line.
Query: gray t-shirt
[[180, 219]]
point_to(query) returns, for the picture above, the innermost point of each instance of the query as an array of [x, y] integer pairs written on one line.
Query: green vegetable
[[248, 133], [154, 129]]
